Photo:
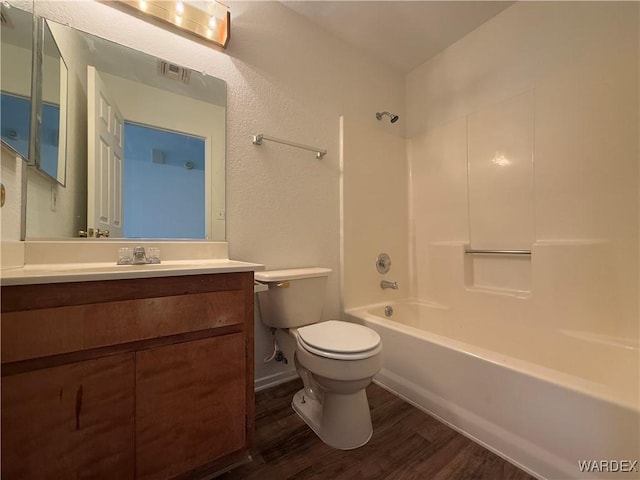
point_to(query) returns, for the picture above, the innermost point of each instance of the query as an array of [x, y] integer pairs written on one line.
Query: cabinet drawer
[[51, 331]]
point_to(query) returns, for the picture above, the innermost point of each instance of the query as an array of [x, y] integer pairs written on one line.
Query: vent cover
[[173, 71], [157, 155]]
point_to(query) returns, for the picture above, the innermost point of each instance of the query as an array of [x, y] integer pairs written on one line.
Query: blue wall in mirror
[[16, 112], [15, 120], [163, 179], [49, 139]]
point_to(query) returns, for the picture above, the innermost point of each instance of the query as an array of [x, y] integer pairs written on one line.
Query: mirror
[[52, 110], [17, 102], [15, 80], [145, 150]]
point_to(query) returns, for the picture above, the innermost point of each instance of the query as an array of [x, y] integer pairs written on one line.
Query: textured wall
[[287, 78], [11, 175]]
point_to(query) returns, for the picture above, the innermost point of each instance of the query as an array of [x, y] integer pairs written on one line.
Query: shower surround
[[530, 144]]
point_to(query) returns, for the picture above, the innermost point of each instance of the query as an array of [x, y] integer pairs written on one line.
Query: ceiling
[[401, 34]]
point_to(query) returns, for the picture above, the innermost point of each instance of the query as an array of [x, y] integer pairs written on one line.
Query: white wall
[[15, 78], [16, 70], [376, 213], [287, 78], [552, 87]]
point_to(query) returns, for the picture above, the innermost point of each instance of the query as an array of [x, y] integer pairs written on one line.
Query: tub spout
[[384, 284]]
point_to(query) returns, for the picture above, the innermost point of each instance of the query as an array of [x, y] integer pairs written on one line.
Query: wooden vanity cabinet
[[70, 421], [138, 378], [190, 402]]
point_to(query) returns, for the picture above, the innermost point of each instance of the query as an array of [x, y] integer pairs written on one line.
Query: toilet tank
[[295, 296]]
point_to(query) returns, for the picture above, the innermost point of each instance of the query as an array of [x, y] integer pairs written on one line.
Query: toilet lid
[[338, 337]]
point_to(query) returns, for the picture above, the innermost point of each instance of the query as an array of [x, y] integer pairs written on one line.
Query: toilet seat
[[339, 340]]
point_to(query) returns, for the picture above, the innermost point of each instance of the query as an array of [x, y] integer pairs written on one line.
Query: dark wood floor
[[407, 444]]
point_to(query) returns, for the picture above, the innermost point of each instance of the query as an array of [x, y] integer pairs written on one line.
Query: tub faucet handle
[[384, 284]]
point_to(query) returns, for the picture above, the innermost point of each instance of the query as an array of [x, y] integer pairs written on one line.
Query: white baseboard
[[273, 380]]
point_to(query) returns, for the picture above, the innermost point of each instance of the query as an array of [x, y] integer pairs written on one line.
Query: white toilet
[[335, 359]]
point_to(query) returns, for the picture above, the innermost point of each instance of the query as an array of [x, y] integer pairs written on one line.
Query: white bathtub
[[544, 401]]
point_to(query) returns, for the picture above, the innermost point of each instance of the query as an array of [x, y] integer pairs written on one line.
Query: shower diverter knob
[[383, 263]]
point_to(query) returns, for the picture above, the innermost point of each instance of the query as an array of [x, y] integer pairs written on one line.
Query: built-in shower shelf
[[524, 294], [497, 272]]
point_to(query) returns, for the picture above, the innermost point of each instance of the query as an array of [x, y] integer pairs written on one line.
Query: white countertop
[[84, 272]]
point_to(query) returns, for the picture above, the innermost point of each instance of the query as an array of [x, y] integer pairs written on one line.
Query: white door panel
[[105, 149]]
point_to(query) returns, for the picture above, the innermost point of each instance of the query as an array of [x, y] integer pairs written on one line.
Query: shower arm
[[393, 117]]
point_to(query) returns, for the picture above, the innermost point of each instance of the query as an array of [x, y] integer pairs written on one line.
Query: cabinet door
[[72, 421], [190, 405]]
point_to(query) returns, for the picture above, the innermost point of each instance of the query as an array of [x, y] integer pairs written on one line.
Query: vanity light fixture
[[208, 20], [179, 8]]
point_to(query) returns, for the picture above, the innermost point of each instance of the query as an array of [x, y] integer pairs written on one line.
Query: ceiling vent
[[173, 71]]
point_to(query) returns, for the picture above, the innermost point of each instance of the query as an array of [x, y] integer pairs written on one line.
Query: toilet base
[[341, 421]]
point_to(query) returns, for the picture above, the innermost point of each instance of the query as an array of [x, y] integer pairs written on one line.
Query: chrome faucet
[[139, 256], [384, 284]]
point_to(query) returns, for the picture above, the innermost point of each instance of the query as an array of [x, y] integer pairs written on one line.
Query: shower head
[[394, 118]]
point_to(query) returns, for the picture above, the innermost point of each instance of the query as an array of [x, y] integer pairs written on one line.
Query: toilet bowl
[[336, 360], [335, 368]]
